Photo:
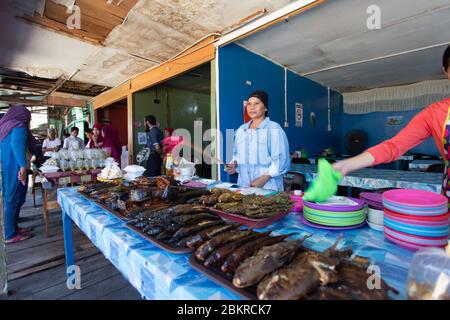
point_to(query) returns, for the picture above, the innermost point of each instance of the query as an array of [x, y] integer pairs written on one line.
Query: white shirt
[[73, 143], [49, 144]]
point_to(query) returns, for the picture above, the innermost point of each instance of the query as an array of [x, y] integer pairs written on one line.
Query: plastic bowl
[[375, 216]]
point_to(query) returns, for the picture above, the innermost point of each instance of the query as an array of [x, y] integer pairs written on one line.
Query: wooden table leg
[[45, 207]]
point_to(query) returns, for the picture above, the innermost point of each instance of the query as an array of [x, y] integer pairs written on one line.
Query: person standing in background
[[52, 143], [96, 138], [73, 142], [154, 139], [261, 148], [17, 145], [88, 136], [111, 142]]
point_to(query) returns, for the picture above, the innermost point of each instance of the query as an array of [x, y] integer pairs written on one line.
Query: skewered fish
[[265, 261], [209, 246], [219, 255], [247, 250]]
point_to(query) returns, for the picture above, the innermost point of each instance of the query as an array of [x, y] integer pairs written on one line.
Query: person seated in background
[[52, 143], [73, 142], [96, 138]]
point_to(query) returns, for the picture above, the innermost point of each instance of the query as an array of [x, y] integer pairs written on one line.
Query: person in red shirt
[[432, 121]]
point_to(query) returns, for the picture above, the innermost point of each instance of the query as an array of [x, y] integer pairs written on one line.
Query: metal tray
[[249, 222], [221, 279], [159, 243]]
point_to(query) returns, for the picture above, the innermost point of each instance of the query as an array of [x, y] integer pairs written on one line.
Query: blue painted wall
[[374, 124], [238, 65]]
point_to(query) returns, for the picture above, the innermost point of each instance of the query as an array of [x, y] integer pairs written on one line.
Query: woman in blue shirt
[[261, 148], [15, 139]]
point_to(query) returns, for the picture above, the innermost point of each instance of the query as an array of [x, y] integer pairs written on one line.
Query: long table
[[157, 274], [379, 178]]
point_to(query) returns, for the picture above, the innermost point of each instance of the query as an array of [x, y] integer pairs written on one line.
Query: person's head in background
[[66, 135], [97, 130], [88, 133], [150, 121], [51, 134], [257, 105], [74, 132], [446, 62], [168, 132]]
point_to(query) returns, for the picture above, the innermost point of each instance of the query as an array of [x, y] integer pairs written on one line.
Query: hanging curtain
[[403, 98]]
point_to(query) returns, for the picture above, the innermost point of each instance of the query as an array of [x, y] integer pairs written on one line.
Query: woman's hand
[[231, 167], [22, 175], [261, 181]]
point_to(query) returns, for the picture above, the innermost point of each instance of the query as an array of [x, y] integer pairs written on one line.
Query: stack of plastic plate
[[375, 213], [338, 213], [416, 218]]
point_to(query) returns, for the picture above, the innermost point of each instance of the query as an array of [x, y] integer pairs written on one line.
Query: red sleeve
[[417, 130]]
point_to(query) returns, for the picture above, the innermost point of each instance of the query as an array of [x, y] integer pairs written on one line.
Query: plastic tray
[[249, 222], [158, 243], [221, 279]]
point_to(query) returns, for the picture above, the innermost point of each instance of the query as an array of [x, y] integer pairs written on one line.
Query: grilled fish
[[197, 239], [304, 275], [247, 250], [209, 246], [265, 261], [189, 230], [191, 218], [219, 255]]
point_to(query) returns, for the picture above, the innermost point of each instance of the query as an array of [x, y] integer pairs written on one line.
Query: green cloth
[[325, 185]]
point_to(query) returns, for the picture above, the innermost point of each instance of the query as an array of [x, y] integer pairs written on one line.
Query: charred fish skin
[[189, 230], [247, 250], [265, 261], [209, 246], [298, 279], [199, 238], [217, 257], [191, 218]]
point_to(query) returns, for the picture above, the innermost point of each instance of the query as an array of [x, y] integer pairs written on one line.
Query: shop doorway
[[183, 102]]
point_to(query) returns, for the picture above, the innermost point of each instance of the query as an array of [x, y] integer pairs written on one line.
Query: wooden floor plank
[[126, 293], [36, 267]]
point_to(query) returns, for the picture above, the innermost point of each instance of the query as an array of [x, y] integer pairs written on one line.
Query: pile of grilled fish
[[280, 269], [254, 206], [180, 226]]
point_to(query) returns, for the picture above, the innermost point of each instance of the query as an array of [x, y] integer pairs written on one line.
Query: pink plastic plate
[[415, 198], [405, 244]]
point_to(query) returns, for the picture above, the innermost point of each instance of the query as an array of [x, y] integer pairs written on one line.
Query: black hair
[[263, 96], [446, 59], [151, 118], [88, 130], [74, 129]]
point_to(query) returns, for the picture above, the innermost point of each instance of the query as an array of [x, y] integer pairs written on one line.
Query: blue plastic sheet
[[157, 274]]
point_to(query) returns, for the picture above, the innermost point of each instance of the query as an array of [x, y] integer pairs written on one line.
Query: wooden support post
[[3, 265], [130, 118]]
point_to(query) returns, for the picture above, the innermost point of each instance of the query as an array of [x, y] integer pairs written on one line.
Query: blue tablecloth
[[380, 178], [157, 274]]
